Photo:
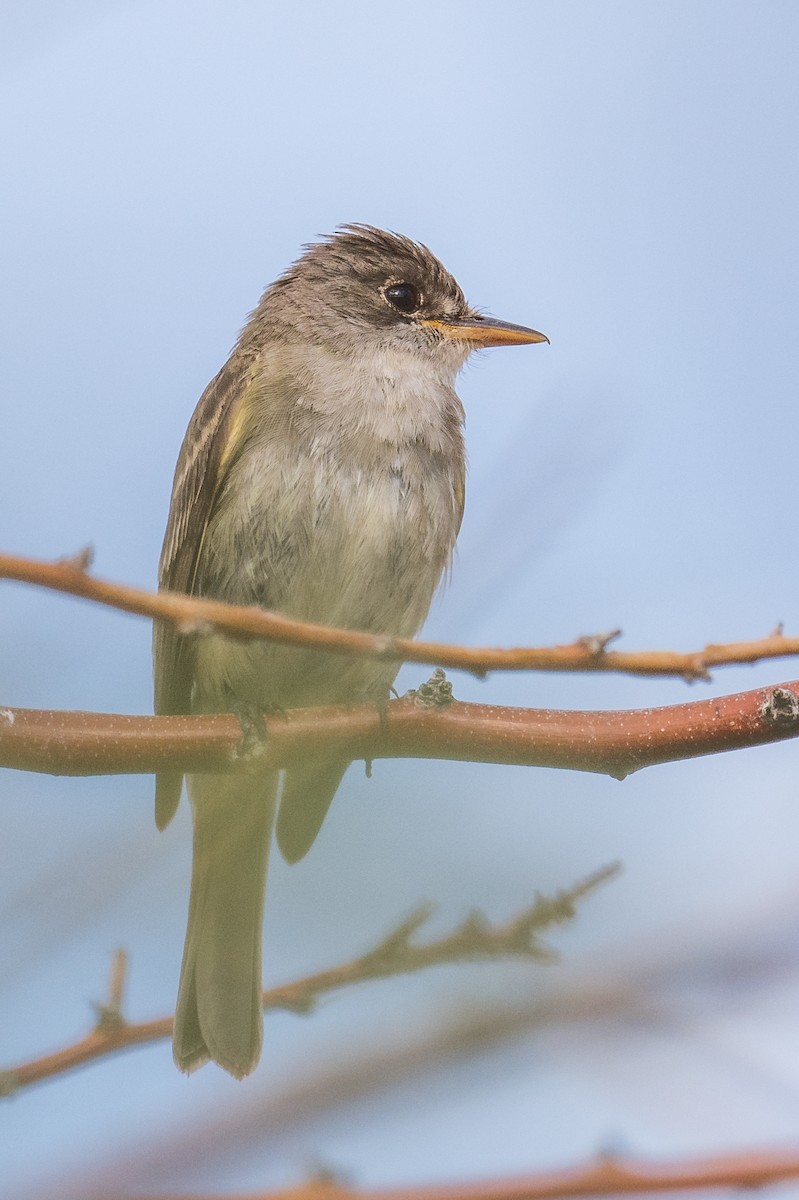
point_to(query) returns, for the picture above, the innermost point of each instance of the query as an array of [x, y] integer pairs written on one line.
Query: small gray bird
[[322, 475]]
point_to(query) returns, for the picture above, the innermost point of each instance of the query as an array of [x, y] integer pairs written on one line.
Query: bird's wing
[[205, 456], [460, 497]]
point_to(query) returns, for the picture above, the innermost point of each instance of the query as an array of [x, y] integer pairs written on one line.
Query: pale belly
[[323, 544]]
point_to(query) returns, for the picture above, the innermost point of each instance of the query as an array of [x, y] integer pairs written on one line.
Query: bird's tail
[[219, 1014]]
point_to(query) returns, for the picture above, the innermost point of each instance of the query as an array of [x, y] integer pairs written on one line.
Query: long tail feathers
[[219, 1014]]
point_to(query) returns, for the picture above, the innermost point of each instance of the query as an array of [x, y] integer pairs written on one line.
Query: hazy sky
[[620, 175]]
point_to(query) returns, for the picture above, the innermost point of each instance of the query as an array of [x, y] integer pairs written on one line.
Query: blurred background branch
[[475, 939], [608, 1175]]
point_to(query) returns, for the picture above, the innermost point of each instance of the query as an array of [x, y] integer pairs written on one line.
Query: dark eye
[[403, 296]]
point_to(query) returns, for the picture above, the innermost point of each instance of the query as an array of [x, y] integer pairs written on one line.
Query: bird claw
[[254, 734]]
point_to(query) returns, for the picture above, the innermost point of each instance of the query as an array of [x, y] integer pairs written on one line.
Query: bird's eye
[[403, 296]]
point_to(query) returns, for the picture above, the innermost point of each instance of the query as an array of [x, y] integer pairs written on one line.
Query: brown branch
[[608, 1175], [197, 616], [613, 743], [476, 939]]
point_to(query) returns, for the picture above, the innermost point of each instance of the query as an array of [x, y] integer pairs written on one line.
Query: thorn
[[697, 674], [398, 938], [778, 630], [81, 561], [476, 922], [597, 643]]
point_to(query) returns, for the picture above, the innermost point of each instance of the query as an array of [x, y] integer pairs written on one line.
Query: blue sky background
[[623, 176]]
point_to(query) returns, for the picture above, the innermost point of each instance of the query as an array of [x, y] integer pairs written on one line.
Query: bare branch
[[191, 615], [607, 1175], [476, 939], [612, 743]]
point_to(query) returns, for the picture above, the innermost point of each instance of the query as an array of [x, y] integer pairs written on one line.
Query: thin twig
[[109, 1014], [191, 615], [476, 939]]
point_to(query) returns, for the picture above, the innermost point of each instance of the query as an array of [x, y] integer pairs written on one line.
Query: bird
[[322, 475]]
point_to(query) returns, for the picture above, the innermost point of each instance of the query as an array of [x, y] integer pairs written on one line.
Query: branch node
[[80, 562], [475, 930], [397, 940], [109, 1015], [597, 643], [109, 1020], [436, 693], [780, 707], [697, 671], [552, 910]]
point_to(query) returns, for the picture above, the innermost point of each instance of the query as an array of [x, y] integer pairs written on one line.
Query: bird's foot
[[254, 734], [381, 703]]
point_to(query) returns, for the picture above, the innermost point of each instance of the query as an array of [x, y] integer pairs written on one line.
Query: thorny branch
[[476, 939], [197, 616]]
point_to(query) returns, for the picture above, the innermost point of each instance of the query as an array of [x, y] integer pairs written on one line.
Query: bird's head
[[364, 289]]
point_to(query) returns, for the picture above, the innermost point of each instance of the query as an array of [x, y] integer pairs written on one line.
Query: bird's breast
[[343, 516], [333, 534]]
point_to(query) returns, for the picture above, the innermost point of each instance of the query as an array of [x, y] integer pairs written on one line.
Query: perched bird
[[322, 475]]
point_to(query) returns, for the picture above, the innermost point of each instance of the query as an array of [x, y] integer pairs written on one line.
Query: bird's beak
[[486, 331]]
